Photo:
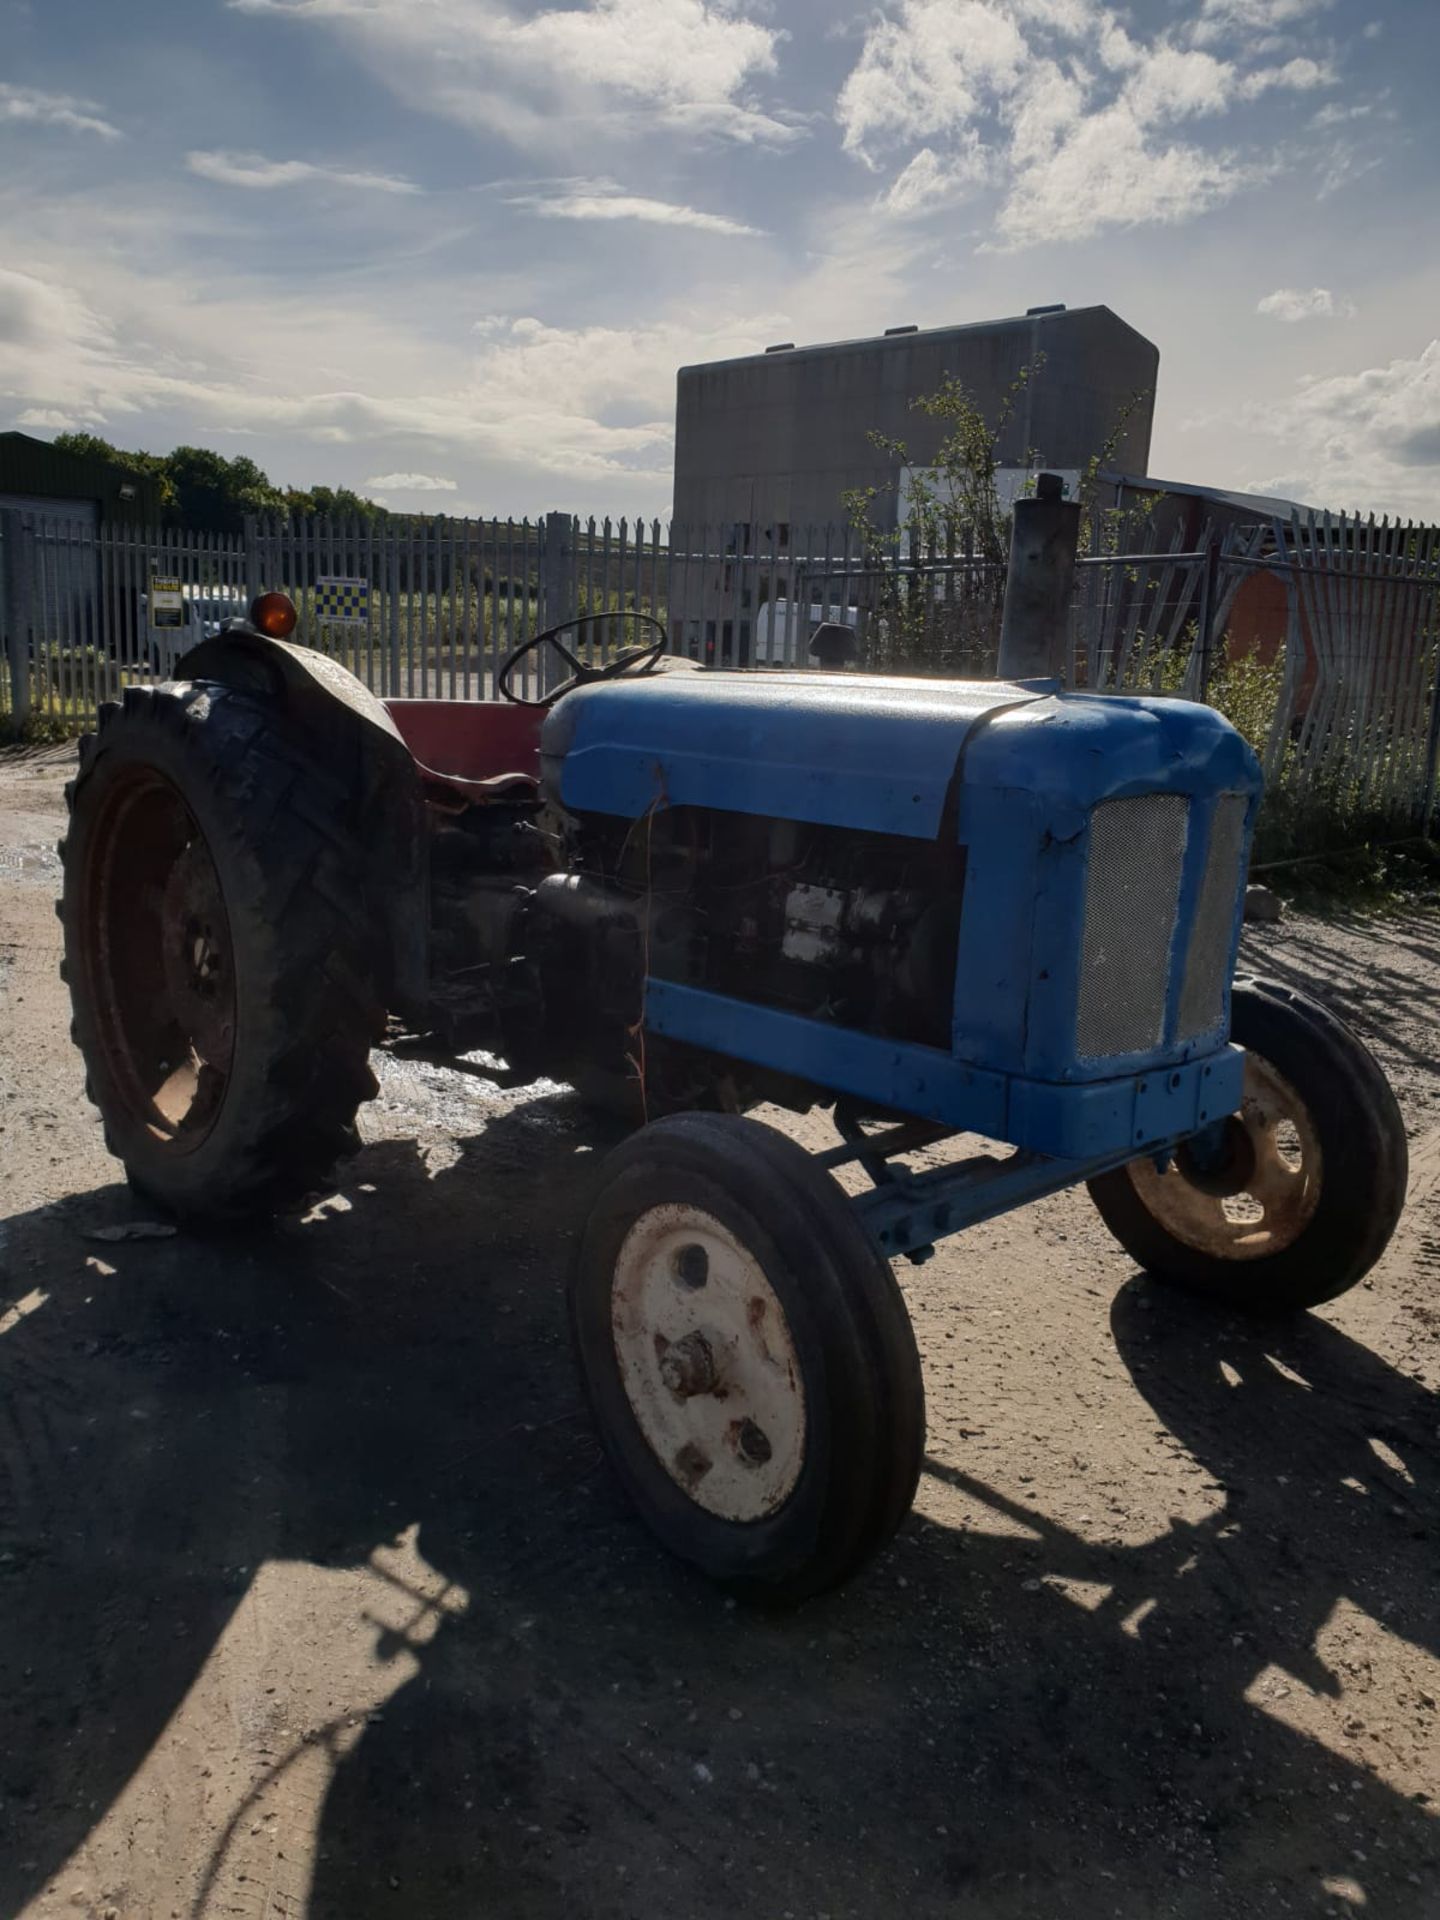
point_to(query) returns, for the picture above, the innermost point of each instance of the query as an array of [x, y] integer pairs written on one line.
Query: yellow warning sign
[[167, 601]]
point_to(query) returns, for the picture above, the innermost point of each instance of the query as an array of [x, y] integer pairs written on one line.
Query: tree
[[215, 494], [334, 503], [151, 465], [200, 488], [945, 616]]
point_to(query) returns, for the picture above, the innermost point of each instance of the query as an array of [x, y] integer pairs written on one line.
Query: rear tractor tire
[[1289, 1202], [223, 975], [748, 1357]]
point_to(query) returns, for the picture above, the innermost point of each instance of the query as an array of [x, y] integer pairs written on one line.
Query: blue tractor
[[989, 927]]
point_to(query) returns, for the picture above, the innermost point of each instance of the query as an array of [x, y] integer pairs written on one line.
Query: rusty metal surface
[[155, 944], [1264, 1193], [708, 1364]]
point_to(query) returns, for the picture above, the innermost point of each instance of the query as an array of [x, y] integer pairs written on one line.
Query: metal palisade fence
[[1321, 634]]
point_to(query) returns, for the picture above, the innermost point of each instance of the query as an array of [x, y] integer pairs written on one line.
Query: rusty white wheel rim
[[1265, 1199], [708, 1363]]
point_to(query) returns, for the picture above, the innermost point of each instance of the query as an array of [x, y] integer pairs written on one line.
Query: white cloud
[[929, 180], [1301, 75], [29, 106], [1008, 91], [1047, 107], [1368, 441], [1344, 165], [411, 483], [1337, 114], [603, 200], [538, 77], [1169, 83], [1219, 18], [46, 420], [744, 126], [929, 71], [262, 174], [1106, 172], [37, 313], [1303, 303], [587, 411]]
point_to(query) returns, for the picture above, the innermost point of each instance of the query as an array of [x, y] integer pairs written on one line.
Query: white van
[[205, 611], [776, 626]]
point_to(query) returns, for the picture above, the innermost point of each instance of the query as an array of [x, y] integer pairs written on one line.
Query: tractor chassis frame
[[906, 1212]]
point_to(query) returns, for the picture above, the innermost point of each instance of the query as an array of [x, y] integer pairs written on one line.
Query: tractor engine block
[[857, 929]]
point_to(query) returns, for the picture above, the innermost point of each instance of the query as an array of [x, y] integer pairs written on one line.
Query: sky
[[452, 252]]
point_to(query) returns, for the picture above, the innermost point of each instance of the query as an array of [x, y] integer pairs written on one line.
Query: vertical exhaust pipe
[[1035, 619]]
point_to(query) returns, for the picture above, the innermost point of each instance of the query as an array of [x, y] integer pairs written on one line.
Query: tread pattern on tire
[[1364, 1173], [293, 871]]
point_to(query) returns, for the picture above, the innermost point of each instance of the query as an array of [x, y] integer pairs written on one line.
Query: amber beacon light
[[273, 613]]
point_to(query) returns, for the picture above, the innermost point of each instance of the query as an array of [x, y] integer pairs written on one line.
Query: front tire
[[225, 987], [748, 1356], [1292, 1200]]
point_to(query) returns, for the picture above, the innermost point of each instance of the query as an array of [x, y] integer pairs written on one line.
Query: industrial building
[[774, 440], [39, 478]]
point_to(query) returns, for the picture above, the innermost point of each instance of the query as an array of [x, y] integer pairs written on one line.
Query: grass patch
[[42, 729], [1375, 874]]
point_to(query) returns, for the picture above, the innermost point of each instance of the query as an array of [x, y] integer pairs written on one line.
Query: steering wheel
[[632, 660]]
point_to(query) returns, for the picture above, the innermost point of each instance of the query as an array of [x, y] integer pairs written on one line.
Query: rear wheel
[[748, 1356], [222, 974], [1290, 1201]]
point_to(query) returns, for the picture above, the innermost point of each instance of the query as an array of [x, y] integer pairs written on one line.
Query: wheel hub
[[708, 1363], [154, 944], [1250, 1191], [1222, 1161], [688, 1367], [197, 957]]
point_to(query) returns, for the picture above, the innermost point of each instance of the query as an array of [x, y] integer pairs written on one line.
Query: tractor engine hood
[[875, 755]]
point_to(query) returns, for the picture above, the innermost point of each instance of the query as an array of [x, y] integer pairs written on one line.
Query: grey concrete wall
[[779, 437]]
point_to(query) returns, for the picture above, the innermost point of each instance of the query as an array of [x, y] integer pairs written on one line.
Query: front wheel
[[748, 1356], [1290, 1201]]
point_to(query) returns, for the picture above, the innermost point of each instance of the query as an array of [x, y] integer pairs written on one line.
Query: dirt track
[[316, 1597]]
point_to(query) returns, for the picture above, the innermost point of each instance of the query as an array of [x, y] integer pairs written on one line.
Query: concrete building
[[774, 440]]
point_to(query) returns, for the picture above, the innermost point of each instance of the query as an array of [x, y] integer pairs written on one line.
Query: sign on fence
[[342, 601], [167, 601]]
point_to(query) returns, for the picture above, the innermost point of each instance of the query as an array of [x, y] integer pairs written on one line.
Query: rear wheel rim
[[1263, 1193], [157, 953], [708, 1363]]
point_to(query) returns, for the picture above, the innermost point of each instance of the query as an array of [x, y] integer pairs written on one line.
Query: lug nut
[[688, 1367]]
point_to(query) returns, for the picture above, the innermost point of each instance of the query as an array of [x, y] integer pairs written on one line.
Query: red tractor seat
[[475, 750]]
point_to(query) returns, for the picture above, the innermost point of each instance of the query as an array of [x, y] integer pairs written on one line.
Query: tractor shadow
[[594, 1731]]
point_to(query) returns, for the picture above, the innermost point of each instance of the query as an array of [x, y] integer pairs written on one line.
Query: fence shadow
[[1377, 995], [595, 1731]]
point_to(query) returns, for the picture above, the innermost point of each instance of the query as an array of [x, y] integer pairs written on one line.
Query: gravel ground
[[316, 1596]]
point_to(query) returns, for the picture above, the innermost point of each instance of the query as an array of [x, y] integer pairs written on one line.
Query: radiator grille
[[1202, 997], [1131, 895]]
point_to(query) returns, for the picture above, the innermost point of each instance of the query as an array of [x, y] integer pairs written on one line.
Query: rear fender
[[333, 715]]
